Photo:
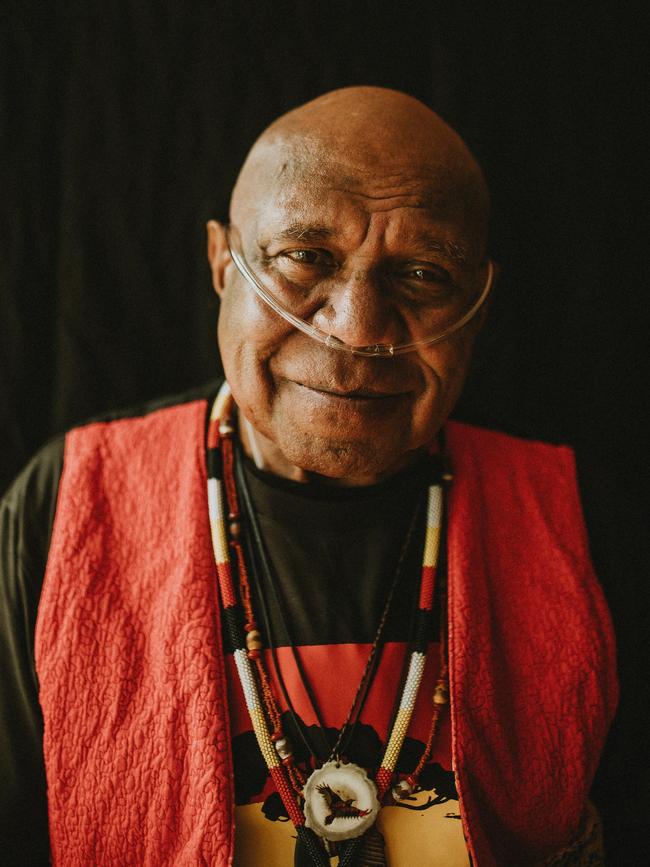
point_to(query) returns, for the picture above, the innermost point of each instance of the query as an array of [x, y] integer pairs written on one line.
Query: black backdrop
[[123, 128]]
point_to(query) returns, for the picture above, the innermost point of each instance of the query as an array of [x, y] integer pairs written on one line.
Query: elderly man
[[299, 617]]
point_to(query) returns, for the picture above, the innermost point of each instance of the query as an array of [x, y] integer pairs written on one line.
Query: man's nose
[[359, 311]]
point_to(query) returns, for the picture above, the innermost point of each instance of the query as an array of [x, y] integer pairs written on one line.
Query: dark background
[[122, 131]]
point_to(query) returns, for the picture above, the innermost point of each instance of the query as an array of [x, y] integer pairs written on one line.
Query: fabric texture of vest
[[131, 670]]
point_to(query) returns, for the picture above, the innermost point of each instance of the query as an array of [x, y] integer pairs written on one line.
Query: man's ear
[[218, 254]]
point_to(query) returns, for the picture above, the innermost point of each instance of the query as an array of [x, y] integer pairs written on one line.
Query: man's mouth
[[356, 394]]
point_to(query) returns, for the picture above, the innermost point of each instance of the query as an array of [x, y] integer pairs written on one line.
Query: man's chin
[[343, 462]]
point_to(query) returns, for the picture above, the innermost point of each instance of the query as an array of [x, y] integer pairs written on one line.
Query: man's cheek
[[243, 317]]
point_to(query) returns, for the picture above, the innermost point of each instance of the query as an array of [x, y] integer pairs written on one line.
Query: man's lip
[[352, 394]]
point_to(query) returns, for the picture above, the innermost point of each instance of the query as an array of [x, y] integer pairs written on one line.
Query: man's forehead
[[302, 188], [326, 215], [366, 172]]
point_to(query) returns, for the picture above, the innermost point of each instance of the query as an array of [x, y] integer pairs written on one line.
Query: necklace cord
[[374, 657], [262, 556]]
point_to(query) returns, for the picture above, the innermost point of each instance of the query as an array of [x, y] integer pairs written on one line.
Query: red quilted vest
[[131, 671]]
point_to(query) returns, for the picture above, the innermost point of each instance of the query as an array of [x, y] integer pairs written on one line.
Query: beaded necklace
[[338, 802], [346, 731]]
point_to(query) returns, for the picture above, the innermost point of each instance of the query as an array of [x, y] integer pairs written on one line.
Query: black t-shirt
[[333, 556]]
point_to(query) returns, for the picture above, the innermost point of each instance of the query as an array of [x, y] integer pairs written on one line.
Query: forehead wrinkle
[[432, 191], [423, 187], [417, 202], [294, 175], [318, 168], [409, 179]]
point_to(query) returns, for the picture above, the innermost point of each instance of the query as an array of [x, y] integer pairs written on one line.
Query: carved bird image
[[339, 807]]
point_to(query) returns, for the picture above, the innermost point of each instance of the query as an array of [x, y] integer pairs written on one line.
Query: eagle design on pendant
[[339, 808], [340, 801]]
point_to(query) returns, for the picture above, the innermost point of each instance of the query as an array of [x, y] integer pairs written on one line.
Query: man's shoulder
[[122, 449], [506, 443], [488, 456], [33, 492], [31, 497]]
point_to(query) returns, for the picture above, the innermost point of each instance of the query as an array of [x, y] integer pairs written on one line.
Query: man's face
[[358, 231]]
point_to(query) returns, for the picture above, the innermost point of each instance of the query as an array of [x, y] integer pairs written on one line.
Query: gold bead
[[253, 640], [235, 529], [441, 694]]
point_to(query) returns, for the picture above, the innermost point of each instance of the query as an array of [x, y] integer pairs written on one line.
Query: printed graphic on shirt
[[425, 829]]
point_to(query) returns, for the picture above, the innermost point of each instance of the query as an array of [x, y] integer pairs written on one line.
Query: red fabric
[[132, 678], [532, 659], [131, 671]]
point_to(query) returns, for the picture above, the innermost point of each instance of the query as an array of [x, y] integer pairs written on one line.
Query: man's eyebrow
[[301, 232], [451, 250]]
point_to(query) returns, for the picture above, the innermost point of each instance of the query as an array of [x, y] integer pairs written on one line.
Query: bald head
[[372, 142]]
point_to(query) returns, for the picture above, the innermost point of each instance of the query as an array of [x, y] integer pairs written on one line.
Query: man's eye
[[422, 285], [306, 257], [427, 275]]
